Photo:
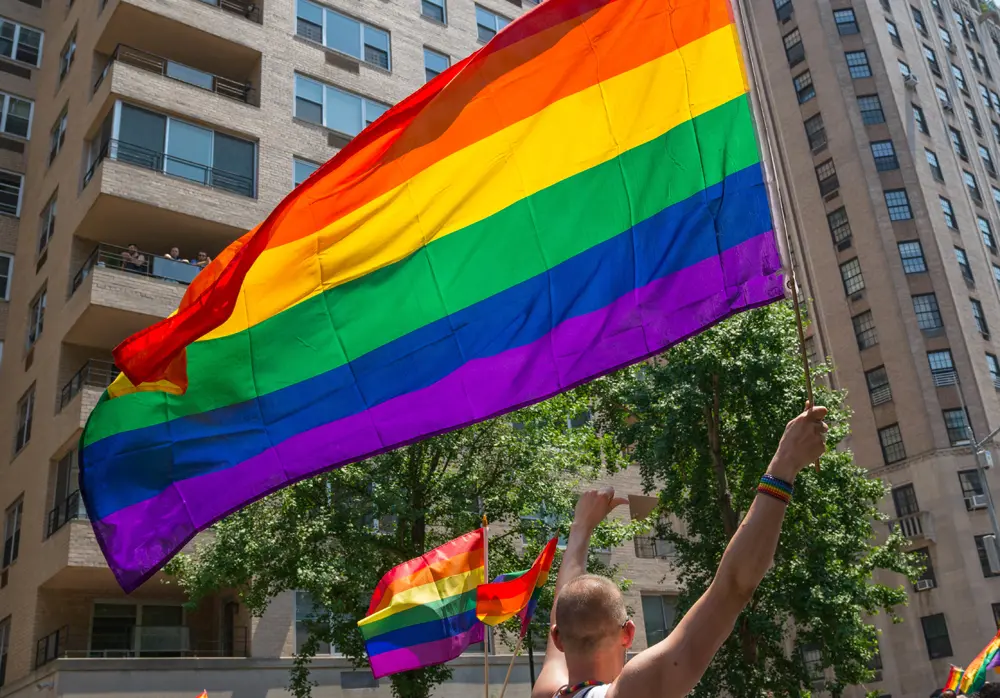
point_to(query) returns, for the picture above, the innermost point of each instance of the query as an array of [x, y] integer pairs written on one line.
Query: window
[[885, 156], [826, 176], [932, 61], [936, 5], [850, 274], [846, 22], [918, 20], [5, 644], [812, 657], [891, 441], [19, 42], [984, 94], [945, 36], [996, 131], [815, 132], [973, 119], [878, 385], [904, 498], [912, 255], [980, 317], [928, 313], [957, 424], [898, 204], [963, 264], [995, 101], [864, 330], [985, 66], [942, 367], [58, 135], [943, 96], [984, 155], [12, 532], [804, 89], [933, 163], [857, 64], [658, 613], [996, 614], [972, 59], [949, 213], [47, 224], [987, 232], [904, 69], [960, 21], [984, 560], [840, 227], [918, 116], [928, 573], [11, 188], [489, 23], [996, 274], [871, 109], [783, 9], [301, 169], [334, 108], [115, 630], [972, 186], [7, 274], [308, 611], [343, 34], [15, 115], [959, 79], [67, 55], [434, 63], [994, 366], [893, 34], [434, 9], [957, 143], [886, 6], [996, 195], [972, 486]]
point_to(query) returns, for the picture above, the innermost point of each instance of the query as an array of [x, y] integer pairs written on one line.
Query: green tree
[[335, 535], [702, 421]]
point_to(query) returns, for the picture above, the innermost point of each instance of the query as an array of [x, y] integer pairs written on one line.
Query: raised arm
[[671, 668], [592, 508]]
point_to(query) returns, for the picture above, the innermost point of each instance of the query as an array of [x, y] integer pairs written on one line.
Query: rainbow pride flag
[[423, 612], [954, 678], [581, 193], [516, 593], [975, 672]]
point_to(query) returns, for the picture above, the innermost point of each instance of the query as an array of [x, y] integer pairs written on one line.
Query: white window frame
[[5, 98], [36, 316], [20, 192], [57, 136], [5, 295], [304, 161], [365, 101], [17, 40], [497, 26], [333, 652], [443, 4], [361, 34], [445, 56], [47, 223], [67, 56]]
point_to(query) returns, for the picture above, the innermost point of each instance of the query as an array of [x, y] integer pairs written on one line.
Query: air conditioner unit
[[947, 106], [952, 49], [910, 80], [925, 584], [976, 501]]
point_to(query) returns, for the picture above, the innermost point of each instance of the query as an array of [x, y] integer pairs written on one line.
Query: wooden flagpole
[[510, 667], [486, 635]]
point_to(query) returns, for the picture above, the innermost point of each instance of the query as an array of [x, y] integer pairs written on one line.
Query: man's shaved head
[[590, 612]]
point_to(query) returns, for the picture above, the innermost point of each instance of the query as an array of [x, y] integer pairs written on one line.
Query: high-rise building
[[885, 116], [138, 137]]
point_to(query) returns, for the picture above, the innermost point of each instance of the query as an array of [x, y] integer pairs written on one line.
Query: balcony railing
[[233, 89], [70, 509], [650, 547], [245, 9], [169, 164], [151, 265], [145, 641], [916, 525], [95, 373], [943, 377], [51, 647]]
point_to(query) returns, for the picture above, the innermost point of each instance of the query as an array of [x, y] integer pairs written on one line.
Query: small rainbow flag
[[975, 673], [516, 594], [423, 612], [954, 678], [581, 193], [203, 694]]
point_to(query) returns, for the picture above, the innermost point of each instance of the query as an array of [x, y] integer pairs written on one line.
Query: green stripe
[[452, 606], [468, 266]]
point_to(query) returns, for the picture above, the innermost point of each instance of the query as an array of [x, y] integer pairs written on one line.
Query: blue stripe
[[133, 466], [422, 632]]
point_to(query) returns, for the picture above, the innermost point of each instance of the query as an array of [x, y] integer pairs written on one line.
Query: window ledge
[[346, 56], [433, 21]]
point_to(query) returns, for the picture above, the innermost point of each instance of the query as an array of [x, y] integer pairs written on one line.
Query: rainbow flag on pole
[[516, 594], [975, 672], [954, 678], [581, 193], [423, 612]]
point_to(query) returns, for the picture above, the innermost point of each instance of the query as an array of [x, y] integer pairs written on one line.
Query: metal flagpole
[[486, 635]]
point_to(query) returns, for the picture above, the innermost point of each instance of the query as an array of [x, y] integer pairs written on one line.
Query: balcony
[[151, 63], [70, 509], [919, 525], [94, 373]]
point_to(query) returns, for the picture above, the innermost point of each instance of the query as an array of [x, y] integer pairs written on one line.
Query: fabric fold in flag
[[581, 193], [975, 673], [512, 595], [423, 612]]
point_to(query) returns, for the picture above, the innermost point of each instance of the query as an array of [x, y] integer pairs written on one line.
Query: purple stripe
[[138, 538], [426, 654]]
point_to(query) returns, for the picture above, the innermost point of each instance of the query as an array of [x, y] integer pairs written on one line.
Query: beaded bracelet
[[777, 488]]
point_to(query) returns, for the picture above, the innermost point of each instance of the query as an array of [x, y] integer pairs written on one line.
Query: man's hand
[[594, 506], [803, 442]]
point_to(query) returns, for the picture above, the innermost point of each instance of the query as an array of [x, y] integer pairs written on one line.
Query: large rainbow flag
[[579, 194], [423, 612]]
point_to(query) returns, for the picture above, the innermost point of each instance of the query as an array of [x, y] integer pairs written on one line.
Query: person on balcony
[[134, 259], [175, 254], [203, 259]]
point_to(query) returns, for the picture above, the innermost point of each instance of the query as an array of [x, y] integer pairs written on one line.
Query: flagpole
[[510, 667], [486, 635]]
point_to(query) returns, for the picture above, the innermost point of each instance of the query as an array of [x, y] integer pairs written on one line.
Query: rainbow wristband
[[774, 487]]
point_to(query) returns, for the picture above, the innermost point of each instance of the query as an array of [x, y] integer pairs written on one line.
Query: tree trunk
[[730, 520]]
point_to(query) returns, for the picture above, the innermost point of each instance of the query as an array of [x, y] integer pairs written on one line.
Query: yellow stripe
[[567, 137], [426, 593]]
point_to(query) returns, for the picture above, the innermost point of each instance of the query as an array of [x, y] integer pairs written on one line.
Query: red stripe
[[508, 598]]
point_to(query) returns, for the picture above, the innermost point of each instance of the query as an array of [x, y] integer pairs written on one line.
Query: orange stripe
[[462, 562]]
